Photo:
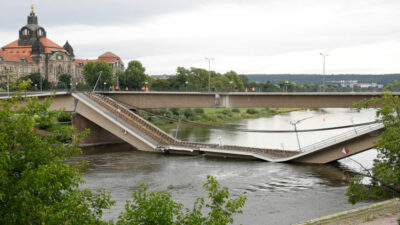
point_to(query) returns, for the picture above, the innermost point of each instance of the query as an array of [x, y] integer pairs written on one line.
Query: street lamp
[[294, 123], [105, 83], [231, 82], [286, 85], [323, 69], [186, 84], [209, 72], [95, 85], [8, 82]]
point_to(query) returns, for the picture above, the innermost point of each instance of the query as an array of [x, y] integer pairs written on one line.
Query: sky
[[246, 36]]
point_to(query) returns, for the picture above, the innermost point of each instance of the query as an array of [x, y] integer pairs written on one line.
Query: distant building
[[33, 52]]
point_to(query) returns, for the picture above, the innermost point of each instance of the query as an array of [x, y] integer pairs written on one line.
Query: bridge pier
[[97, 136]]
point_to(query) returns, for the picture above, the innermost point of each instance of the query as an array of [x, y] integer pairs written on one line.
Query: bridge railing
[[342, 137]]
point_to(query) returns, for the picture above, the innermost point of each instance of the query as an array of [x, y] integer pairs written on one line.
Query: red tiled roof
[[14, 52], [84, 61], [17, 55], [109, 57]]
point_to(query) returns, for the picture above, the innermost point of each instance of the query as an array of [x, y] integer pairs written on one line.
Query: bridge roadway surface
[[150, 100], [117, 119]]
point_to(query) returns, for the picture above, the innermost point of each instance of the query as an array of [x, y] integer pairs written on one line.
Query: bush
[[64, 117], [175, 111], [148, 207], [226, 111], [188, 113], [199, 110], [252, 111], [235, 110]]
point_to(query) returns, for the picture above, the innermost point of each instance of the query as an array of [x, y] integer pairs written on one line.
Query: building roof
[[84, 61], [109, 57], [47, 43], [13, 52]]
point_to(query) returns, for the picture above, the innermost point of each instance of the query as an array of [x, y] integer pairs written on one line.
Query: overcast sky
[[247, 36]]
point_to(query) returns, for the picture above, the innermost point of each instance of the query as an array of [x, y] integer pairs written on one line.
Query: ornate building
[[33, 52]]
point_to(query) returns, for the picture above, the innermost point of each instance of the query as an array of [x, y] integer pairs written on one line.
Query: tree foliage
[[36, 80], [134, 76], [37, 186], [64, 81], [385, 174], [91, 72], [149, 207]]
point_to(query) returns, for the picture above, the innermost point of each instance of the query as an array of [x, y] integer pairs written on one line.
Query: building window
[[40, 33], [25, 32]]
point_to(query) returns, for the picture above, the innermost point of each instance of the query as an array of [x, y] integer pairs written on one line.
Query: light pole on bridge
[[294, 123], [209, 72], [323, 69]]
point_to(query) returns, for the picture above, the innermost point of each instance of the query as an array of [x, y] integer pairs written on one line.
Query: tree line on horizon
[[198, 79]]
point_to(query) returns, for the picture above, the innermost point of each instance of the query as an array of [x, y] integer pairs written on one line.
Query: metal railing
[[343, 137]]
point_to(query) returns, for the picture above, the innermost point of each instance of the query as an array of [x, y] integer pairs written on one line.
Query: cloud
[[248, 36]]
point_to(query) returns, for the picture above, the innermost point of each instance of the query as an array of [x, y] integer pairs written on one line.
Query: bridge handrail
[[342, 137]]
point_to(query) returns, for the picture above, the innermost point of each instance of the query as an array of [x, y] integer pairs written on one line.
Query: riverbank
[[379, 213], [167, 118]]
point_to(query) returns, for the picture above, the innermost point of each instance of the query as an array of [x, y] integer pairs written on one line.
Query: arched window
[[40, 33], [25, 32]]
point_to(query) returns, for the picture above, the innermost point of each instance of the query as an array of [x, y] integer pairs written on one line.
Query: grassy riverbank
[[214, 116], [361, 215]]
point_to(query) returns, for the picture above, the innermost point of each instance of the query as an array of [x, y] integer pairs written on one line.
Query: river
[[277, 193]]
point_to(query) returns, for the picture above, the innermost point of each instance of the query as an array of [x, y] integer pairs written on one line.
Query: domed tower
[[29, 33]]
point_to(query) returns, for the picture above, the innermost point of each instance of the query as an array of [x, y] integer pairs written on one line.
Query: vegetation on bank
[[166, 118], [382, 181]]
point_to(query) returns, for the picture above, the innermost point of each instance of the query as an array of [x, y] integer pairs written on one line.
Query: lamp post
[[231, 82], [186, 84], [323, 69], [8, 82], [209, 72], [95, 85], [105, 83], [294, 123]]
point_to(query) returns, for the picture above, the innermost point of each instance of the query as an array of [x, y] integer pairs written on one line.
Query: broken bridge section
[[127, 126]]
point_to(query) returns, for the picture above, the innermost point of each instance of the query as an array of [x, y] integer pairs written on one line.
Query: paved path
[[387, 220]]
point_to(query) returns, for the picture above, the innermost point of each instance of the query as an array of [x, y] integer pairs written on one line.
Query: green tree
[[64, 81], [91, 72], [37, 186], [384, 176], [149, 207], [237, 83], [35, 82], [134, 76]]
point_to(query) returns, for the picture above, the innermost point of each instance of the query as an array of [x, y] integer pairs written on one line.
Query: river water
[[277, 193]]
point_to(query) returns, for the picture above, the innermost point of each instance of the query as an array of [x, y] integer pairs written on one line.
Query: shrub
[[188, 113], [199, 110], [235, 110], [252, 111], [64, 117], [175, 111], [226, 111]]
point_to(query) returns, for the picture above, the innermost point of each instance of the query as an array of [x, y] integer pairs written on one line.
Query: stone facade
[[33, 52]]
